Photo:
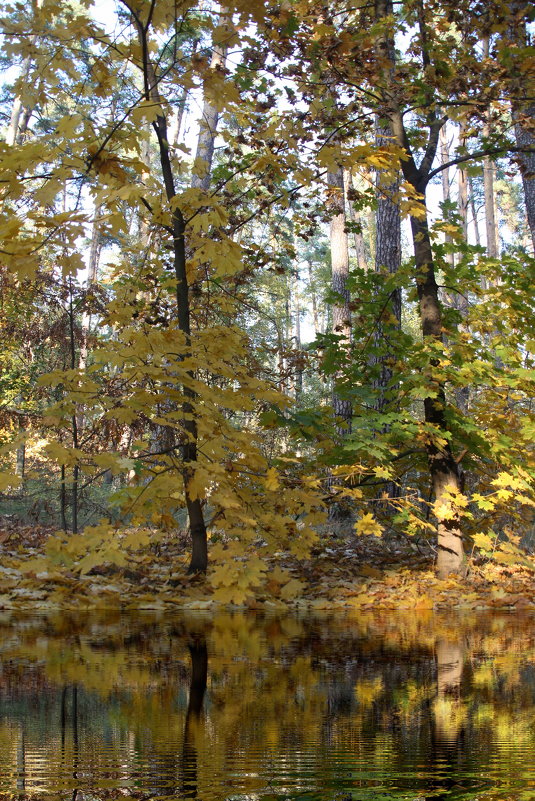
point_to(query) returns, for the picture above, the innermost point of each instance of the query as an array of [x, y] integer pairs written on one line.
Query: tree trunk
[[488, 184], [446, 191], [474, 211], [387, 259], [197, 690], [523, 109], [525, 139], [341, 313], [358, 239], [17, 126], [210, 115], [462, 189], [199, 543], [18, 110], [312, 285], [297, 338], [443, 468]]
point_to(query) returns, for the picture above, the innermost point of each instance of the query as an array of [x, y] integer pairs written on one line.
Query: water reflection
[[255, 708]]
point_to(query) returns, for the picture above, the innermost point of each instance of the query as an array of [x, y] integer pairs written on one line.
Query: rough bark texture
[[358, 239], [523, 108], [443, 468], [341, 313], [387, 259], [388, 223], [488, 187], [524, 139]]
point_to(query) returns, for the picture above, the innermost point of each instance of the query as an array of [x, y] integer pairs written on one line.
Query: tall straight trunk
[[387, 224], [474, 211], [197, 689], [387, 259], [462, 193], [75, 420], [388, 230], [358, 239], [525, 139], [92, 274], [443, 468], [523, 108], [341, 313], [488, 185], [314, 297], [210, 115], [297, 338], [490, 218], [20, 114], [446, 190], [199, 542], [17, 109]]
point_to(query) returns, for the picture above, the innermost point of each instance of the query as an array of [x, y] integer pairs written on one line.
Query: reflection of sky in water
[[242, 707]]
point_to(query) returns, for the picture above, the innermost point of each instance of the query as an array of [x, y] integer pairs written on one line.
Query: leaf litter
[[362, 572]]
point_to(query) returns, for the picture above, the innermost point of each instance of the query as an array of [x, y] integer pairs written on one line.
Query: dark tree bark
[[197, 689], [524, 110], [443, 468], [199, 544]]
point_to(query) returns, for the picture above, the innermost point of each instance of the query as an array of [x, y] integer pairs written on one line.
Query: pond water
[[255, 707]]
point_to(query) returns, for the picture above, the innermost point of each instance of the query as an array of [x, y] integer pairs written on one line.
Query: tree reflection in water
[[197, 689], [387, 706]]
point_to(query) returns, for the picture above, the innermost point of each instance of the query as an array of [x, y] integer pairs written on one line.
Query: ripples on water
[[251, 708]]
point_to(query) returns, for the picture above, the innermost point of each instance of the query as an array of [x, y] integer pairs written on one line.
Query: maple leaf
[[368, 525]]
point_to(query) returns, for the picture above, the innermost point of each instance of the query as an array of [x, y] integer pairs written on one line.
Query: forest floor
[[344, 571]]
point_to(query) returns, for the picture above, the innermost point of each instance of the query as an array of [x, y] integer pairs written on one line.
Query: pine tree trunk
[[488, 185], [341, 313], [358, 239], [523, 107], [387, 259], [525, 139]]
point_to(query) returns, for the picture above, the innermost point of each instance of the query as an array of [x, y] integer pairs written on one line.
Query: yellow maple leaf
[[292, 590], [8, 480], [272, 480], [368, 525]]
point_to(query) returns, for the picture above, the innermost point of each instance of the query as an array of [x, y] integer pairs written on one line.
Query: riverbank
[[344, 571]]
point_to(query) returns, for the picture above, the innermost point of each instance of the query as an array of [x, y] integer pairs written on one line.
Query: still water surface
[[260, 708]]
